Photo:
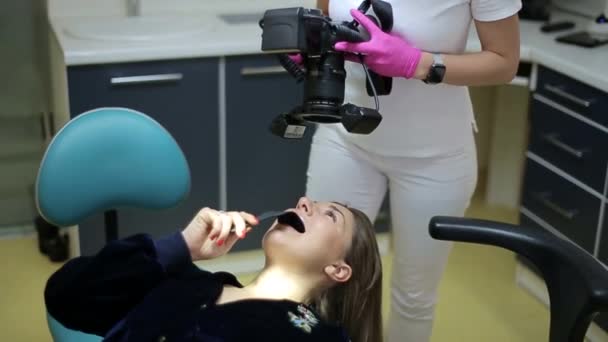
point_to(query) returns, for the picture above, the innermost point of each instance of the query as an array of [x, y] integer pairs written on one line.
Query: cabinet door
[[568, 143], [264, 172], [575, 95], [569, 209], [182, 95]]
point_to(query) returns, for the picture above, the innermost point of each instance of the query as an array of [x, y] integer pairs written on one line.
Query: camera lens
[[324, 90]]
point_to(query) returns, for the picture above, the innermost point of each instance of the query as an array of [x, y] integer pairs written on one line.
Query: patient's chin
[[279, 235]]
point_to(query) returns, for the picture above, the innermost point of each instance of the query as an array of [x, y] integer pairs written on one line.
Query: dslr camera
[[312, 34]]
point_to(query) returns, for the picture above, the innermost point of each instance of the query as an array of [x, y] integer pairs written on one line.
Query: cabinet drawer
[[570, 144], [141, 85], [568, 208], [575, 95]]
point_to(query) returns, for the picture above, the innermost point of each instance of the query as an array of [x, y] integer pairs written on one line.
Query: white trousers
[[419, 188]]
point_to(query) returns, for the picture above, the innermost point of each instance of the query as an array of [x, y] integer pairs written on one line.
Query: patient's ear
[[339, 272]]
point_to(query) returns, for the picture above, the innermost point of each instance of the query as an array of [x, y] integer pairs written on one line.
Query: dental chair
[[115, 157], [577, 283], [103, 160]]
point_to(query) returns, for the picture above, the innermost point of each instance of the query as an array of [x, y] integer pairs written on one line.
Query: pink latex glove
[[297, 58], [386, 54]]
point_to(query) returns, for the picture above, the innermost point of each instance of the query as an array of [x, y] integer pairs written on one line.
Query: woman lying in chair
[[322, 281]]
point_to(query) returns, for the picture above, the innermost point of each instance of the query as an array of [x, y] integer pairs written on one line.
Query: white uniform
[[423, 152]]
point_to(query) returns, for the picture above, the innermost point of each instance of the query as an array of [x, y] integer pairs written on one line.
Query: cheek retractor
[[263, 216], [287, 218]]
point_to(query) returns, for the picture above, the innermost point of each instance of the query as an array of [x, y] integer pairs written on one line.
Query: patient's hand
[[208, 235]]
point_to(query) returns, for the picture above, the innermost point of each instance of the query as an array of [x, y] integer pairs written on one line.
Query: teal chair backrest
[[105, 159]]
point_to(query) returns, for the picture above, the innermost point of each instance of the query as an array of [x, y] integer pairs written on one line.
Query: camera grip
[[382, 84], [345, 33]]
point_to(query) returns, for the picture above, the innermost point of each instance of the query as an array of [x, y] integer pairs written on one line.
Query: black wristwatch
[[437, 70]]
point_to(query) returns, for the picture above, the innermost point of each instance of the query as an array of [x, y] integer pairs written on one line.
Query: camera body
[[313, 35]]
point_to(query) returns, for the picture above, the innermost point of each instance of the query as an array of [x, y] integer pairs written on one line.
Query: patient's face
[[327, 236]]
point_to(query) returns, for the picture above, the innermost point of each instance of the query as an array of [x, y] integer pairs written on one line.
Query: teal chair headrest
[[109, 158]]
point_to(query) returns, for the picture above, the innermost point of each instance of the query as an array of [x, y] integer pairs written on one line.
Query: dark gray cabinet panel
[[92, 234], [187, 106], [264, 172], [568, 208], [565, 114], [570, 144], [573, 94]]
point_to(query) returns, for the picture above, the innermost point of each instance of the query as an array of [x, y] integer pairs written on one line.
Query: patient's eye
[[331, 214]]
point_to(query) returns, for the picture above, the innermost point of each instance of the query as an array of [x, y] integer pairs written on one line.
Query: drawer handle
[[257, 71], [553, 139], [561, 93], [545, 199], [146, 79]]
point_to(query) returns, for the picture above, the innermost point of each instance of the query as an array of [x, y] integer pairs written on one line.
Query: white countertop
[[588, 65], [221, 39]]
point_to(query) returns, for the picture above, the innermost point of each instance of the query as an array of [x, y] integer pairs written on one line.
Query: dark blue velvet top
[[139, 289]]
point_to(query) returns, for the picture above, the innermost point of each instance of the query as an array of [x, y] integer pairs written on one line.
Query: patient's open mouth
[[293, 220]]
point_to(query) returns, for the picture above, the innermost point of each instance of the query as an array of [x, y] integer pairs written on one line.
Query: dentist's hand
[[296, 58], [208, 235], [386, 54]]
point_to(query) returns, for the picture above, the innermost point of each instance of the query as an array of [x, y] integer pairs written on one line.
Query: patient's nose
[[305, 205]]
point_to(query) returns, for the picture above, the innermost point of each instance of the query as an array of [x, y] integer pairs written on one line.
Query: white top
[[421, 120]]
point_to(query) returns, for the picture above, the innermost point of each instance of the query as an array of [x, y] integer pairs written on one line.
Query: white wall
[[23, 96]]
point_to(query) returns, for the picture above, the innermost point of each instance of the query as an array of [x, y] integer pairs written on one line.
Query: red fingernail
[[220, 242]]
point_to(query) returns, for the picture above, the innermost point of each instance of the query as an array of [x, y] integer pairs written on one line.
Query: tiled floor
[[478, 298]]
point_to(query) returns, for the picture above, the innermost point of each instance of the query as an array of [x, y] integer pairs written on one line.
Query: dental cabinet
[[565, 181]]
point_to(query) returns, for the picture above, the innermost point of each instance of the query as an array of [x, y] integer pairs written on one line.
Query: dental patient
[[321, 281]]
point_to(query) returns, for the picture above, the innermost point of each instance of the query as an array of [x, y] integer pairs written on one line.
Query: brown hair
[[356, 305]]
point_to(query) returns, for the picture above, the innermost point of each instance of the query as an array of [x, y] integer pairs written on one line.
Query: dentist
[[423, 153]]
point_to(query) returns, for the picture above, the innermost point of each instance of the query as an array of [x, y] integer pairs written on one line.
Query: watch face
[[436, 74]]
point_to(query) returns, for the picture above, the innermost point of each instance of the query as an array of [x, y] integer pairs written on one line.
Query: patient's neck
[[276, 282]]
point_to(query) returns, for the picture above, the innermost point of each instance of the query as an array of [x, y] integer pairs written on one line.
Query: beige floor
[[478, 298]]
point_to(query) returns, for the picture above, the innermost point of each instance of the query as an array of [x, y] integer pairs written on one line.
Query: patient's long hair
[[357, 304]]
